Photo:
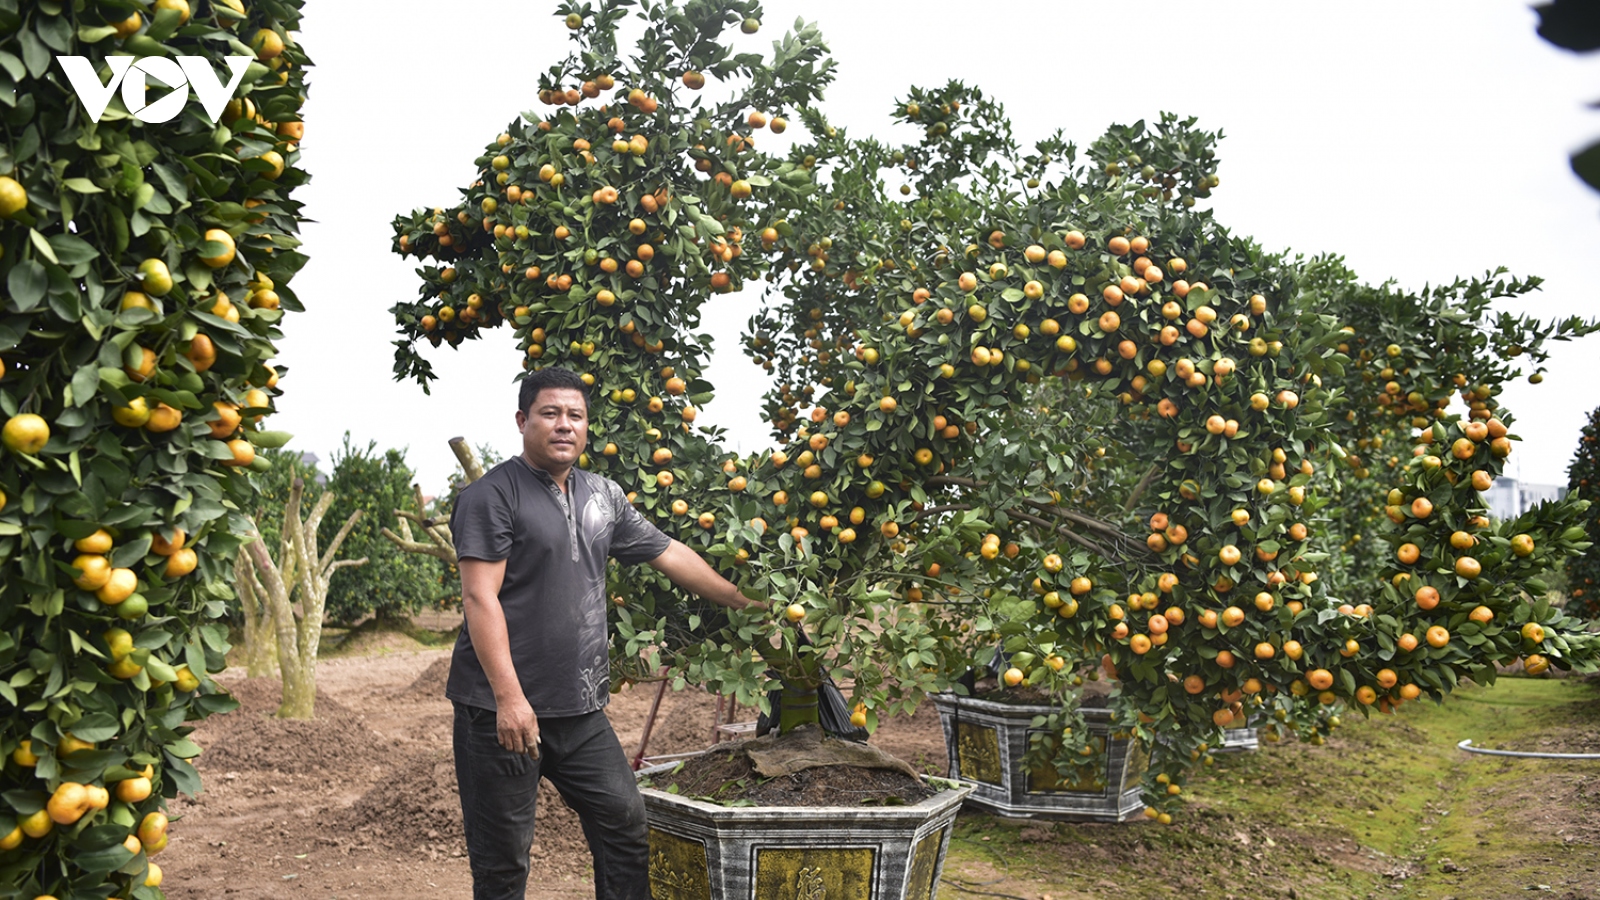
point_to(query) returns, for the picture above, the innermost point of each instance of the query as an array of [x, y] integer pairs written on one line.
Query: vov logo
[[130, 74]]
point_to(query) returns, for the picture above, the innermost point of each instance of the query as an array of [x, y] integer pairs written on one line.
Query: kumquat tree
[[146, 271], [1034, 402]]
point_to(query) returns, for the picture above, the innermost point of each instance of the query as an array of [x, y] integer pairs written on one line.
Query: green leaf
[[94, 34], [269, 440], [70, 249], [99, 862], [27, 283], [34, 53], [84, 384], [43, 246], [96, 727], [163, 24], [12, 65], [56, 32], [83, 186], [182, 773], [160, 670]]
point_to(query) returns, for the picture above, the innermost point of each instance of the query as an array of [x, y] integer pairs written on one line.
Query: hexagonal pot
[[986, 741], [702, 851], [1239, 740]]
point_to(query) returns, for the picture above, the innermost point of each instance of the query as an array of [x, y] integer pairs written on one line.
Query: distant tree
[[393, 585], [1583, 480], [254, 616], [293, 590]]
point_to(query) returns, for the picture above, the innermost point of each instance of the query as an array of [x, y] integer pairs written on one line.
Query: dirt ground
[[360, 803]]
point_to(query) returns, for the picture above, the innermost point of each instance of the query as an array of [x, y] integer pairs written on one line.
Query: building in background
[[1509, 498], [311, 459]]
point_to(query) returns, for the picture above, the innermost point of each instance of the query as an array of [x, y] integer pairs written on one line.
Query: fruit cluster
[[147, 268]]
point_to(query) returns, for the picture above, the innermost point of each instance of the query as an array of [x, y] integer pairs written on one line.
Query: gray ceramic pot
[[986, 742], [702, 851]]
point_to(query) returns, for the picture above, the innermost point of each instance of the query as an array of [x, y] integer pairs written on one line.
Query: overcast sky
[[1420, 141]]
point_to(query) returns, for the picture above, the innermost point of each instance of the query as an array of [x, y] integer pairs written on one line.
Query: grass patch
[[379, 636], [1387, 808]]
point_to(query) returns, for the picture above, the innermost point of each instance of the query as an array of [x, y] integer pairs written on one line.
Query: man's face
[[555, 429]]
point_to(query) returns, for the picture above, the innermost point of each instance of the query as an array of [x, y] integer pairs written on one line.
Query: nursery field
[[360, 802]]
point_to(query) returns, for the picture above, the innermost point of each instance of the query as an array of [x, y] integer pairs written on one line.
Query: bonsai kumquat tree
[[146, 266], [930, 501]]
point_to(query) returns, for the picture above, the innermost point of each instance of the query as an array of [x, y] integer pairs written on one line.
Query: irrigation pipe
[[1467, 746]]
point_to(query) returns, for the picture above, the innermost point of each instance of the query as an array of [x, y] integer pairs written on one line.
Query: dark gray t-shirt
[[554, 595]]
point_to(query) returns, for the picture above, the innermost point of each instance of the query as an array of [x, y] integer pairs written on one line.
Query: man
[[529, 675]]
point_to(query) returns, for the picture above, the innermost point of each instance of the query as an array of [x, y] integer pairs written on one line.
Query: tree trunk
[[802, 683], [260, 642], [798, 707], [299, 693], [294, 591]]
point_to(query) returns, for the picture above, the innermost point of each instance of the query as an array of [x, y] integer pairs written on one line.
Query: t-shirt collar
[[544, 474]]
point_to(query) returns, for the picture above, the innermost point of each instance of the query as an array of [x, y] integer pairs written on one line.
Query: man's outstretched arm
[[688, 571]]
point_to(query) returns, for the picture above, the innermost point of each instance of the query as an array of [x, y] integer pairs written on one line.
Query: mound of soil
[[253, 738], [424, 818], [683, 721], [429, 685], [728, 774]]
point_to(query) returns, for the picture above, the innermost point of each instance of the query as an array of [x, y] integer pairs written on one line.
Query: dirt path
[[360, 803]]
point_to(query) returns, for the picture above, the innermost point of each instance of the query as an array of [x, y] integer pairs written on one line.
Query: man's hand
[[518, 727]]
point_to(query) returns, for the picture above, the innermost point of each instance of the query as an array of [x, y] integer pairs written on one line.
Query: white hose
[[1466, 745]]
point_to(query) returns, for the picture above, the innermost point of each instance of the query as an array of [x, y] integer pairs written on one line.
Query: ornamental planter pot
[[702, 851], [1239, 740], [986, 741]]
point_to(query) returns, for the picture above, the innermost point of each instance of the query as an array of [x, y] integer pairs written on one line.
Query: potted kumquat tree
[[920, 510]]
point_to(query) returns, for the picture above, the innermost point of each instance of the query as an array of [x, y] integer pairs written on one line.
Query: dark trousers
[[499, 789]]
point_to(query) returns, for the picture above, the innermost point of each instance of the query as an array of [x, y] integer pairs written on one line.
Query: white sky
[[1421, 141]]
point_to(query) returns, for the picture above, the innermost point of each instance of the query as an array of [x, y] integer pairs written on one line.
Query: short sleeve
[[481, 522], [633, 538]]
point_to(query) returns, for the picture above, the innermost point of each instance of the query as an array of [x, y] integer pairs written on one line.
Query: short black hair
[[552, 377]]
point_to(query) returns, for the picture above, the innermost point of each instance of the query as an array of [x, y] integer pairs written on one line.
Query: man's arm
[[486, 623], [688, 571]]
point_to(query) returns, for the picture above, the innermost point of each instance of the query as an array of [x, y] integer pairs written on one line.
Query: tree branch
[[1138, 491], [440, 545], [952, 507], [1064, 531], [469, 461], [291, 513], [314, 522], [1077, 518], [333, 546]]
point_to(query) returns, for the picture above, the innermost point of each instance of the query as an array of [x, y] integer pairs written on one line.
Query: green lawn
[[1388, 808]]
